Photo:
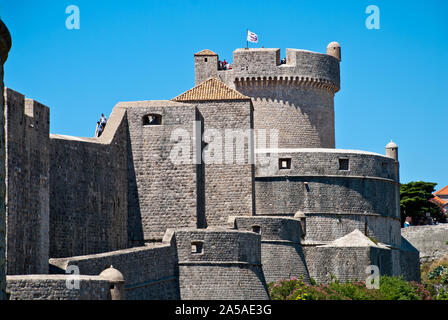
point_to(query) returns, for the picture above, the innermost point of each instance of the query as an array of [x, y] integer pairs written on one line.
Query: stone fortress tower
[[335, 191], [296, 98], [202, 229]]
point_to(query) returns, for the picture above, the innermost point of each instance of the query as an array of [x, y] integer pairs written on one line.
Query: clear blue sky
[[394, 80]]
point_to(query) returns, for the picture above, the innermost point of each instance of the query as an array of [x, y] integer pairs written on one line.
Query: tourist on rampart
[[99, 129], [103, 121]]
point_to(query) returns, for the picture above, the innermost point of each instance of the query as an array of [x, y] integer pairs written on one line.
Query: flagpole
[[247, 41]]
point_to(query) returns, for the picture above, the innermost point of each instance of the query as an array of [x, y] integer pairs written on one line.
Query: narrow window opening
[[256, 229], [284, 163], [343, 164], [197, 247], [205, 59], [152, 119], [307, 187]]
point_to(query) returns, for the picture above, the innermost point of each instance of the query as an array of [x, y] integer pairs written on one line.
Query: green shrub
[[437, 272], [391, 288], [442, 294], [395, 288]]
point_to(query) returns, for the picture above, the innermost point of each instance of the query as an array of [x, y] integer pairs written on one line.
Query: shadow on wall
[[135, 227], [200, 177]]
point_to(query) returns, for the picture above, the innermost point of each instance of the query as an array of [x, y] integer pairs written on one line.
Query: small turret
[[116, 280], [392, 150], [334, 49], [206, 65]]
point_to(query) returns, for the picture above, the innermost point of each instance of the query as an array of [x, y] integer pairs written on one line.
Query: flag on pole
[[252, 37]]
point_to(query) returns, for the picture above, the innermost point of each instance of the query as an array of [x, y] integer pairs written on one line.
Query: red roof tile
[[442, 192]]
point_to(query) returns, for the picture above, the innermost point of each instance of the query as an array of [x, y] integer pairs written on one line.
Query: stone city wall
[[316, 184], [150, 272], [220, 264], [88, 191], [229, 182], [5, 46], [336, 200], [54, 287], [162, 194], [282, 256], [328, 227], [346, 263], [431, 241], [28, 175]]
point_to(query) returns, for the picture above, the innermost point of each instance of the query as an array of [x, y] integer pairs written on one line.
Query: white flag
[[252, 37]]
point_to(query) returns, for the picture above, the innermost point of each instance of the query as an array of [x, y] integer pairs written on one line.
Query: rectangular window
[[284, 163], [197, 247], [256, 229], [343, 164]]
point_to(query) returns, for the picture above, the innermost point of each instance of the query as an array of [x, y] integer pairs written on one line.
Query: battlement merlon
[[264, 64], [18, 105]]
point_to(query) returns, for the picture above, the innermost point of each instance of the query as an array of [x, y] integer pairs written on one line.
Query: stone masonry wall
[[329, 227], [295, 98], [5, 46], [205, 67], [150, 272], [431, 241], [303, 115], [346, 263], [228, 265], [161, 193], [3, 262], [335, 201], [27, 194], [88, 191], [229, 180], [54, 287], [282, 256]]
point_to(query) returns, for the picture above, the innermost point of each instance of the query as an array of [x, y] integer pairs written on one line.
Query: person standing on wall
[[98, 130], [103, 122]]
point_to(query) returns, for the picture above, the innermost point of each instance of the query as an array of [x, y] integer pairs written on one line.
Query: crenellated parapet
[[263, 66], [302, 68], [323, 84], [294, 95]]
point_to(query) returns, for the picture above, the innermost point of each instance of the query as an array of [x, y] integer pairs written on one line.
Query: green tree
[[414, 201]]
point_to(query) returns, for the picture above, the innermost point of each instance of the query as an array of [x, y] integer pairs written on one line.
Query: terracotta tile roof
[[206, 52], [438, 201], [211, 90], [442, 192]]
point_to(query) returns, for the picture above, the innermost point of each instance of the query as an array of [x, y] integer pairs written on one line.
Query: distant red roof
[[438, 201], [442, 192]]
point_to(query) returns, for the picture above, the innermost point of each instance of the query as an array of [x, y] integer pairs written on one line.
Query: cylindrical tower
[[338, 191], [282, 256], [295, 96], [220, 264], [392, 150], [116, 279], [334, 49], [5, 46]]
